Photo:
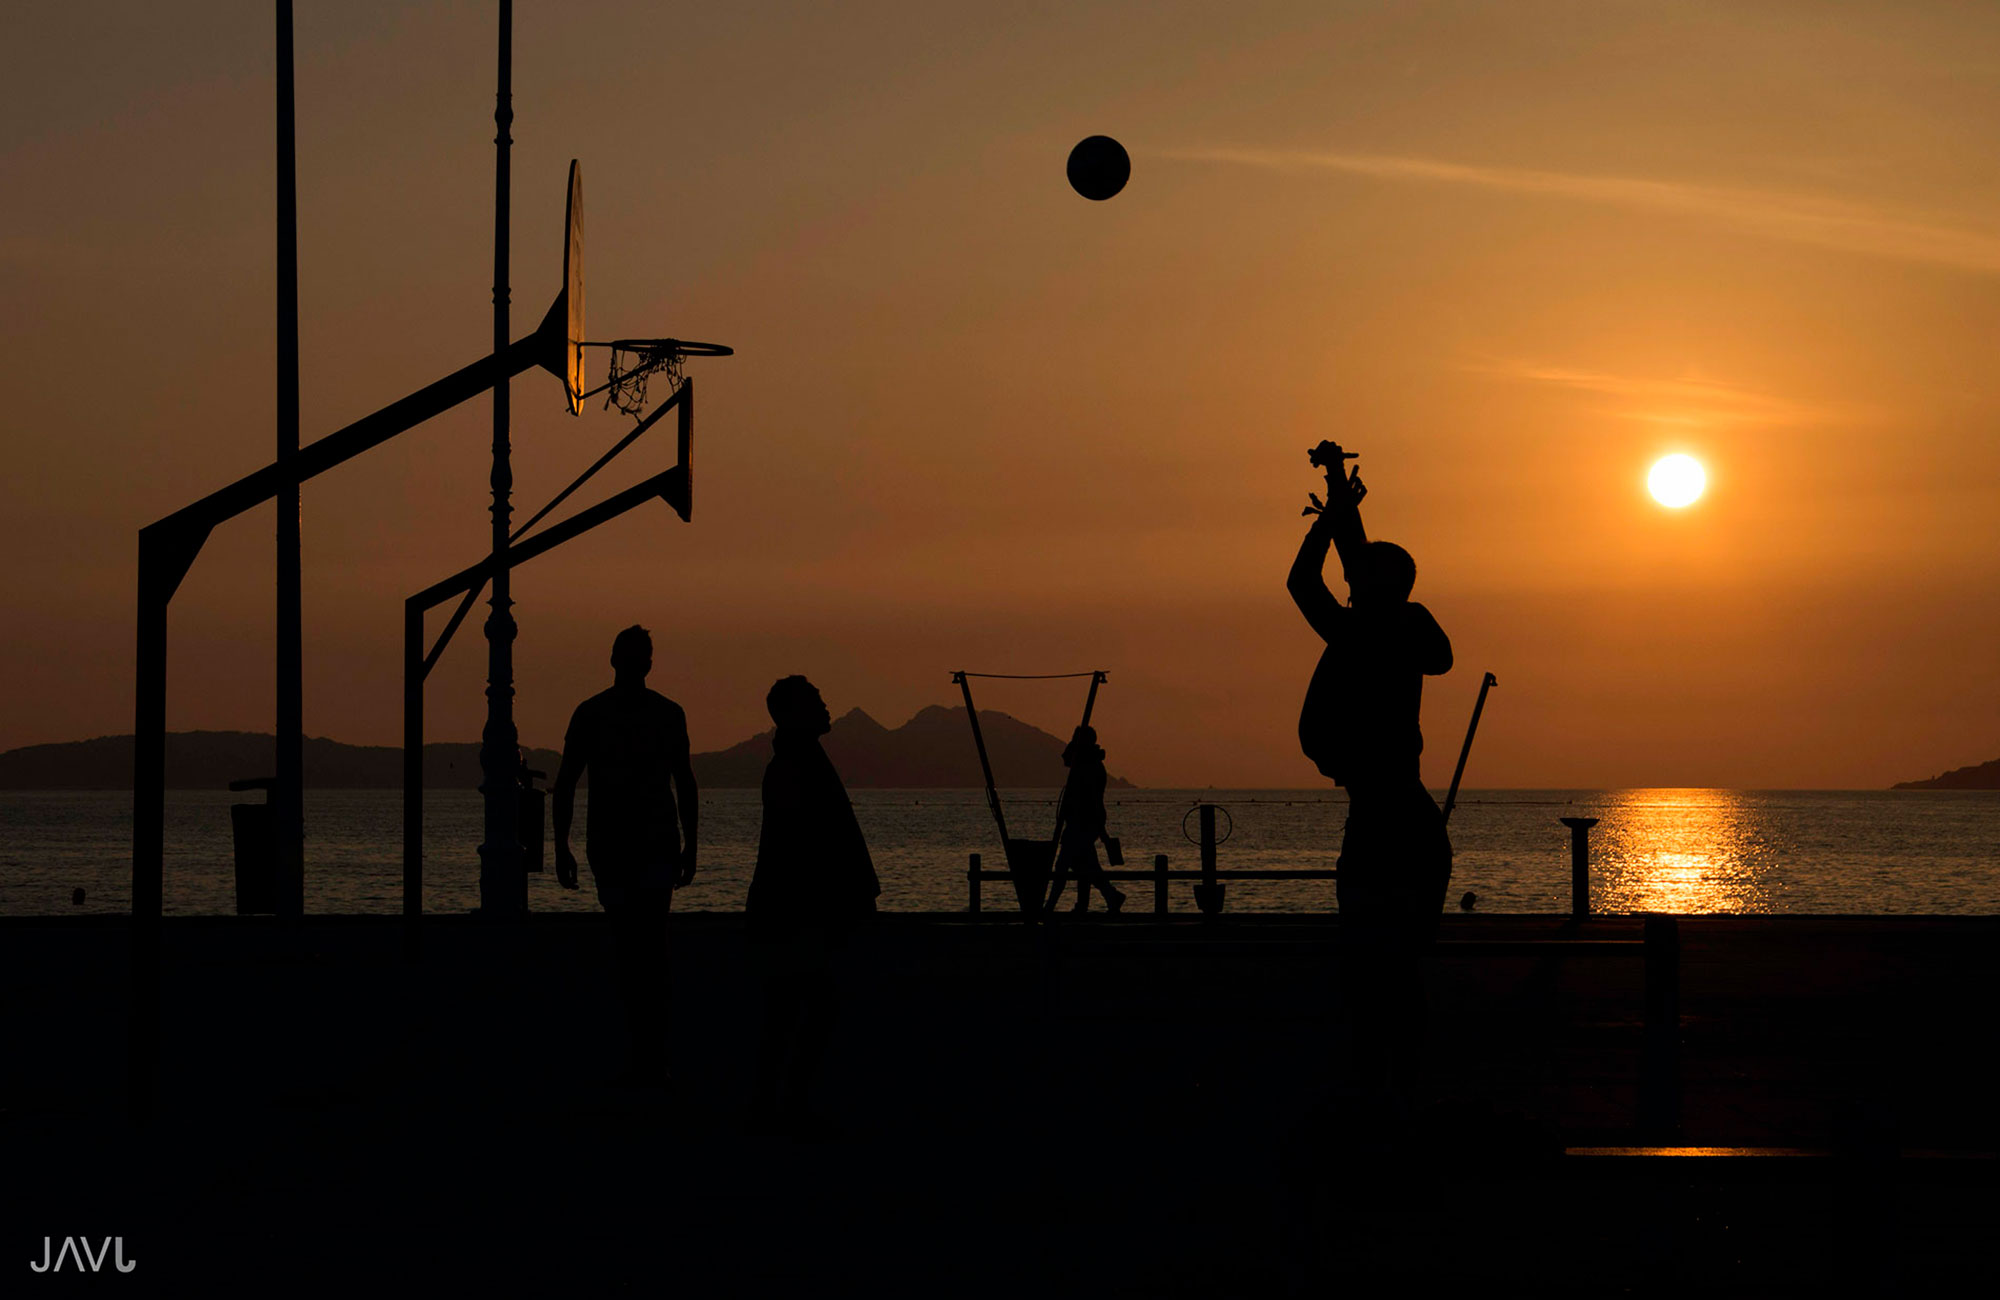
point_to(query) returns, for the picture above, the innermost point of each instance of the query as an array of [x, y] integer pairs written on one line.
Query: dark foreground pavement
[[1107, 1108]]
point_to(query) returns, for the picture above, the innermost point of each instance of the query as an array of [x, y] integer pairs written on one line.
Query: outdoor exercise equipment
[[1030, 862]]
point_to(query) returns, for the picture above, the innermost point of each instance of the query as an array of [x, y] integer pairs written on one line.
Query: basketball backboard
[[573, 288], [559, 338]]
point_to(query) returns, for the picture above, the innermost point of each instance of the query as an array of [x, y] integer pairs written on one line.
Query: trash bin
[[255, 830], [534, 810]]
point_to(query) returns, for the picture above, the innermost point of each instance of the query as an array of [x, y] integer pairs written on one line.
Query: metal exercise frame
[[960, 679]]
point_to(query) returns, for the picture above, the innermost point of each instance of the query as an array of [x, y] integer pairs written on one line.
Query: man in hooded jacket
[[814, 883]]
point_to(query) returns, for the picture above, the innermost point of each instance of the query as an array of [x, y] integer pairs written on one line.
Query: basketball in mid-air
[[1099, 167]]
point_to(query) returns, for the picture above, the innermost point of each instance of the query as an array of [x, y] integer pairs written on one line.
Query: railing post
[[1208, 894], [1159, 884], [972, 883], [1579, 864], [1660, 1076]]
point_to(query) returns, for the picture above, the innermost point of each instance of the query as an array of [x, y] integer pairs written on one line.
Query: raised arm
[[1307, 581], [1337, 525], [1343, 513]]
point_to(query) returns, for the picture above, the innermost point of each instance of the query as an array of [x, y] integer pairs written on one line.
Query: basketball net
[[633, 364]]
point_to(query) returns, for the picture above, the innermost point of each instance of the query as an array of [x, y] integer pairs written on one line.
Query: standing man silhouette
[[634, 744], [1360, 726]]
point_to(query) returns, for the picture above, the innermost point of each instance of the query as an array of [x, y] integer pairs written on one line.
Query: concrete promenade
[[1111, 1107]]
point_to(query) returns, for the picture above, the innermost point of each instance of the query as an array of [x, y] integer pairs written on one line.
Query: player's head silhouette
[[632, 653], [1386, 575], [796, 706]]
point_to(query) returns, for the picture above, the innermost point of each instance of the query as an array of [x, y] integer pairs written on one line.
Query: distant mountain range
[[933, 750], [1983, 776], [210, 760]]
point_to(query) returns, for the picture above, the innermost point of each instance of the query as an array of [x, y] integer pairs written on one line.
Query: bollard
[[1159, 884], [1208, 894], [1579, 864], [255, 837], [972, 884], [1660, 1075]]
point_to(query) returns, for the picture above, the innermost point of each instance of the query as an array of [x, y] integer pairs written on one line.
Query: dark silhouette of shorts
[[624, 885]]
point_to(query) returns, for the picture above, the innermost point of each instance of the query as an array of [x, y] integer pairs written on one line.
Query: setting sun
[[1676, 480]]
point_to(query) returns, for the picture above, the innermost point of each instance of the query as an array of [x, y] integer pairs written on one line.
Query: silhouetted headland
[[210, 760], [928, 753], [1980, 776]]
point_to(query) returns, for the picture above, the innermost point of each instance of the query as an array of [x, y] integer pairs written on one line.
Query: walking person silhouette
[[1083, 825], [1360, 726], [814, 883], [643, 808]]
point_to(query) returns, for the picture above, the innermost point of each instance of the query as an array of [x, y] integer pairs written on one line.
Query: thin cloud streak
[[1701, 400], [1823, 223]]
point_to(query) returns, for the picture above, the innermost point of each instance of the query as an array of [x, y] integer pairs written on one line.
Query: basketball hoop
[[635, 361]]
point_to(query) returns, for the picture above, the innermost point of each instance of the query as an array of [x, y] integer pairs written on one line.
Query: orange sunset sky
[[1513, 253]]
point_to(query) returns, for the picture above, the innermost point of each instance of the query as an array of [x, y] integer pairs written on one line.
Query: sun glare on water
[[1676, 480]]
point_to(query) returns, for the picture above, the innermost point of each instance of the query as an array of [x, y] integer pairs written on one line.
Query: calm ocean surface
[[1653, 850]]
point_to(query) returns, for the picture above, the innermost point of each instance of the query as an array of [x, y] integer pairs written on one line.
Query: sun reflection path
[[1681, 851]]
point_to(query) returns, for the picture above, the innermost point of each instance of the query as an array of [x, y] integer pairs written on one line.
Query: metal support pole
[[985, 764], [288, 795], [1097, 679], [166, 551], [149, 767], [503, 886], [1660, 1077], [972, 883], [413, 780], [1465, 751], [1579, 864]]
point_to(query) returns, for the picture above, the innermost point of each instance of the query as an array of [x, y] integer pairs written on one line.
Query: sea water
[[1902, 851]]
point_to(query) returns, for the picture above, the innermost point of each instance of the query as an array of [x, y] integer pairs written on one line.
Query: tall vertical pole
[[149, 775], [413, 779], [289, 795], [503, 886]]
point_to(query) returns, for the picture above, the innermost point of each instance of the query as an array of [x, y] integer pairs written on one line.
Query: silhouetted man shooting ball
[[1360, 726], [633, 742]]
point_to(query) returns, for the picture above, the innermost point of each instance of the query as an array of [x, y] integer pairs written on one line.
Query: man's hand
[[685, 871], [1344, 488], [565, 866]]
